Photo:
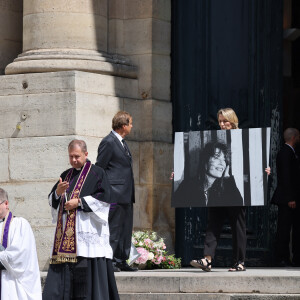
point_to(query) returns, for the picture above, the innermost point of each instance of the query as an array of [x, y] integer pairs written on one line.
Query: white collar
[[118, 136]]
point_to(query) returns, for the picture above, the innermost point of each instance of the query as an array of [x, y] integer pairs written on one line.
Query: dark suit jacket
[[117, 164], [287, 189]]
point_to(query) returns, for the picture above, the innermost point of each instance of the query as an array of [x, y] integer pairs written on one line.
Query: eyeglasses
[[2, 202]]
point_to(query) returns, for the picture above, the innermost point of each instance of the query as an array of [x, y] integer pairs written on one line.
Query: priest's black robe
[[91, 278]]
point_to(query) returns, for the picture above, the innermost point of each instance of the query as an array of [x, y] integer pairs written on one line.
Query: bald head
[[291, 136]]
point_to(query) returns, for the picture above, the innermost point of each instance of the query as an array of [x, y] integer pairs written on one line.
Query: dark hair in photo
[[210, 150]]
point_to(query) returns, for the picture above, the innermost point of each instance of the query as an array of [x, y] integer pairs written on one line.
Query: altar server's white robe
[[21, 279]]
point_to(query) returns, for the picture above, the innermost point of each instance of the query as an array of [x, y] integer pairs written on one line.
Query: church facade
[[68, 66]]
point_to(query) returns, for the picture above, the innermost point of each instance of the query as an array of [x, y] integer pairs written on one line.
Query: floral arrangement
[[153, 251]]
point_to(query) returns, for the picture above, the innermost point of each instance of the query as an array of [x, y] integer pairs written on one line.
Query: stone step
[[219, 284], [205, 296], [219, 281]]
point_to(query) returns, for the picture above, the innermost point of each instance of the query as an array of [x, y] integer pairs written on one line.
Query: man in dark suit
[[286, 196], [115, 158]]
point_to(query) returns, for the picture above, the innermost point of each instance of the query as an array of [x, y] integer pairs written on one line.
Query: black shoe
[[202, 263], [126, 267], [115, 268]]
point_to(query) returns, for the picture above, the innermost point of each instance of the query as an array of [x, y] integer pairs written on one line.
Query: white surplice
[[21, 279], [92, 230]]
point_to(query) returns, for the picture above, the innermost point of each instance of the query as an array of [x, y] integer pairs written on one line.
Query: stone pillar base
[[53, 60]]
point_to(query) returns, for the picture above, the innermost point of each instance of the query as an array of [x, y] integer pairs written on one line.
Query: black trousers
[[288, 219], [120, 221], [216, 218]]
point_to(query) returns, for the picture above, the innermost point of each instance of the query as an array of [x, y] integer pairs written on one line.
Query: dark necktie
[[126, 148]]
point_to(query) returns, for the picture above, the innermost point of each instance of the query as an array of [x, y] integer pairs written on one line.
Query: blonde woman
[[227, 119]]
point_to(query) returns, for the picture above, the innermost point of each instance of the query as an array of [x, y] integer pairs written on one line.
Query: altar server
[[20, 275]]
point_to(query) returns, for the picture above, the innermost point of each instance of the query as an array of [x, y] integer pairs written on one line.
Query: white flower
[[150, 256], [138, 234], [153, 236]]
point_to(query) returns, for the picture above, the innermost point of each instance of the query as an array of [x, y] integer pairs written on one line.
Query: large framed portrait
[[221, 168]]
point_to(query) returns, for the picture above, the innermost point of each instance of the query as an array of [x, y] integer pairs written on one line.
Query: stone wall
[[42, 112], [141, 31]]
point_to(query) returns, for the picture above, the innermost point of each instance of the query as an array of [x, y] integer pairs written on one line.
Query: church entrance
[[227, 54]]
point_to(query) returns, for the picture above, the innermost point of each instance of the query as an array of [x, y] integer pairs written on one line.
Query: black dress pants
[[216, 218], [288, 219], [120, 221]]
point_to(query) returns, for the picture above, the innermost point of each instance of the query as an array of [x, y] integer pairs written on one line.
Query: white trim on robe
[[92, 230]]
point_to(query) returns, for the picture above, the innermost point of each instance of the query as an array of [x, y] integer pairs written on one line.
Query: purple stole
[[64, 247], [4, 238]]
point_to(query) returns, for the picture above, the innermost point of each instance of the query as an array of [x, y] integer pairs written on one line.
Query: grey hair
[[3, 195], [79, 143], [289, 133]]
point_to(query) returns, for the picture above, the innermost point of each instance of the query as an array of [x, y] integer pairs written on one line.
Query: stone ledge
[[68, 81], [254, 281], [205, 296]]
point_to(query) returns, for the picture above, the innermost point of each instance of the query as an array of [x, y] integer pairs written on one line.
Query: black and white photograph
[[221, 168]]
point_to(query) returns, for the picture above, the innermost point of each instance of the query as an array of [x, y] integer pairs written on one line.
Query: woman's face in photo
[[216, 164], [224, 123]]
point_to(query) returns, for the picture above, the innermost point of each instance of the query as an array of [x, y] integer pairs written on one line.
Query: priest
[[80, 263], [19, 275]]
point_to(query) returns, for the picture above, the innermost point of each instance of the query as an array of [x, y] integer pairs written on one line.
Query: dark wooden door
[[227, 54]]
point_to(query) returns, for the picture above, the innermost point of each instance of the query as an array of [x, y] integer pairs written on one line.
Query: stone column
[[47, 100], [66, 35]]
